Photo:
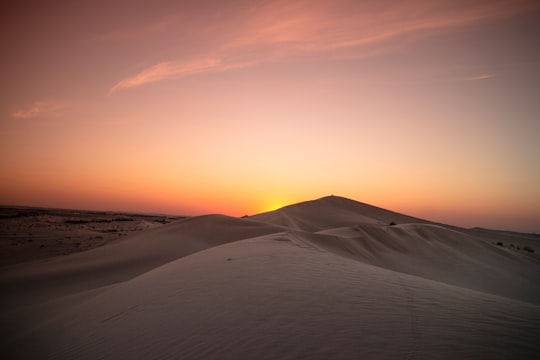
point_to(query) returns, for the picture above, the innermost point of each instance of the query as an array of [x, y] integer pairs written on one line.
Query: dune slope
[[137, 254], [273, 298]]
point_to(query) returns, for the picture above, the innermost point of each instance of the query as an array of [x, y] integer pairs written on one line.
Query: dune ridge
[[329, 278]]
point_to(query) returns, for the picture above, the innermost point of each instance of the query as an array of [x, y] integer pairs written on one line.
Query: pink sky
[[430, 108]]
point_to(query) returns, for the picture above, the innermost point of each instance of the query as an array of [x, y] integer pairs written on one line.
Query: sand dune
[[123, 260], [331, 212], [438, 253], [325, 279]]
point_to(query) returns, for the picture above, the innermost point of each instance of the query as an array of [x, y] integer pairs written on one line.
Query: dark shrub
[[76, 221]]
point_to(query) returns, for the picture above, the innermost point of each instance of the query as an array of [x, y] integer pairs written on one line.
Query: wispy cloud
[[41, 108], [478, 77], [281, 30], [166, 70]]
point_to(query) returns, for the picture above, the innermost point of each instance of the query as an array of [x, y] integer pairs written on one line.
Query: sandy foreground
[[325, 279]]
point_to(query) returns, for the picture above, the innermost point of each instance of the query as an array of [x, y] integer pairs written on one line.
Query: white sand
[[327, 279]]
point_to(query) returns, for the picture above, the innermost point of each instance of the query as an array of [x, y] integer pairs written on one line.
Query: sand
[[325, 279]]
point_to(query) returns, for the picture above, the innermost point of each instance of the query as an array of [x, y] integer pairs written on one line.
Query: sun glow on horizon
[[274, 204]]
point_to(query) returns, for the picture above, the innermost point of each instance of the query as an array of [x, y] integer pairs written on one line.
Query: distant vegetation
[[86, 221], [516, 248]]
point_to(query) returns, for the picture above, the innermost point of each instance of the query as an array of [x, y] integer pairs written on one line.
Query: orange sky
[[430, 108]]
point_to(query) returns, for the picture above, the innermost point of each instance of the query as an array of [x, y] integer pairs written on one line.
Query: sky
[[429, 108]]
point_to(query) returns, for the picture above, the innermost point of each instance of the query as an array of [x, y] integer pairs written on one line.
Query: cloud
[[40, 109], [478, 77], [165, 70], [284, 30]]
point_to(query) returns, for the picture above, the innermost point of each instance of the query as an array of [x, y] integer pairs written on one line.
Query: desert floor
[[37, 233]]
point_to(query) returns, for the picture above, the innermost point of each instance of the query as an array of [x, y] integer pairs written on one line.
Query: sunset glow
[[430, 108]]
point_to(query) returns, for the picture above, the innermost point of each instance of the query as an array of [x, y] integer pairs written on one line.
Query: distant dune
[[325, 279]]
